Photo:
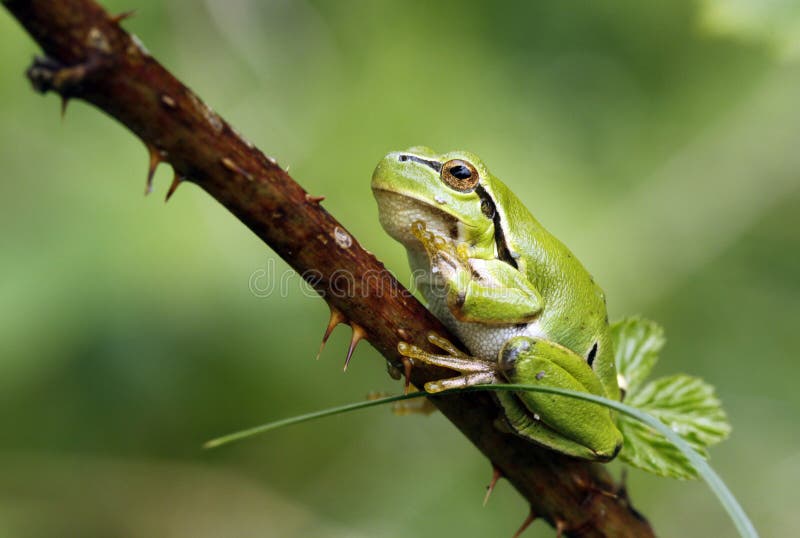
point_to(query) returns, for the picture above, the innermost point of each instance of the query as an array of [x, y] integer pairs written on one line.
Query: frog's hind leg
[[476, 378], [475, 371], [459, 364]]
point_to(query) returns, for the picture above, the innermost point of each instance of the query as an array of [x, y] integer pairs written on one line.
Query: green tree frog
[[523, 305]]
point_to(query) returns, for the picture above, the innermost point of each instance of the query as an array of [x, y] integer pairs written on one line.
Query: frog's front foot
[[474, 371], [446, 256]]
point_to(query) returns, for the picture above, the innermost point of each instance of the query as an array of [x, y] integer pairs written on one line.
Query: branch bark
[[89, 56]]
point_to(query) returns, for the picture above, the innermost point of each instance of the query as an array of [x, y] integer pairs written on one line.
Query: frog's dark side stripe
[[499, 237], [432, 164]]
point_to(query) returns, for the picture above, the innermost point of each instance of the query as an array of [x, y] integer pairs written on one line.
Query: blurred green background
[[660, 141]]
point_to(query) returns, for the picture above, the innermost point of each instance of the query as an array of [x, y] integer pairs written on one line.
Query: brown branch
[[90, 57]]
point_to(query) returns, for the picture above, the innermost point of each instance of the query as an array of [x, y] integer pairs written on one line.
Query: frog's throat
[[433, 208]]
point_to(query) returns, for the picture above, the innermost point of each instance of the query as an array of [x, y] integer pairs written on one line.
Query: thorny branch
[[90, 57]]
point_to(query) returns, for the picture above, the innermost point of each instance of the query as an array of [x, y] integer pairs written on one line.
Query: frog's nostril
[[402, 158]]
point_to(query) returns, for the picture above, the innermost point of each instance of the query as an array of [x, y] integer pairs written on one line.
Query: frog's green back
[[575, 313]]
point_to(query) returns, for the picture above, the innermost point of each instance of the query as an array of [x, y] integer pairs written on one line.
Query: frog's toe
[[433, 387], [446, 345], [462, 381], [420, 231]]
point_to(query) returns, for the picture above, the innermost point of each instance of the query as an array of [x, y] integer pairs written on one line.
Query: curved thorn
[[314, 199], [358, 334], [176, 181], [604, 493], [593, 489], [561, 526], [155, 160], [336, 318], [122, 16], [496, 475], [64, 103], [407, 366], [525, 524]]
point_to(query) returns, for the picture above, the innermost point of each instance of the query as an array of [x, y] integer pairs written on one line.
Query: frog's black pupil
[[460, 171]]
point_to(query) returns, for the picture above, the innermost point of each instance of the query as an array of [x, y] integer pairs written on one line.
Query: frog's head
[[450, 193]]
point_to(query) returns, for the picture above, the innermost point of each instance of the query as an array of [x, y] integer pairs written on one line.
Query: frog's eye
[[459, 175]]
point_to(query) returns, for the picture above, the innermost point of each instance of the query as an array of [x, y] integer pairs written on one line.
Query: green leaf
[[689, 407], [637, 342], [649, 451]]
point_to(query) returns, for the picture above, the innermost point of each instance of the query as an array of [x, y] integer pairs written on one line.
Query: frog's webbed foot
[[474, 371]]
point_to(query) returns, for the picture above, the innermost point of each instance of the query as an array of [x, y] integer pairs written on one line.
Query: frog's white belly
[[482, 340]]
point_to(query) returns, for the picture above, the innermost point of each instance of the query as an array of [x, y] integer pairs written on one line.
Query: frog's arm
[[491, 291], [481, 290]]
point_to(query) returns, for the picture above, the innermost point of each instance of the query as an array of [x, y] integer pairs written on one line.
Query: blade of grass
[[718, 487], [250, 432]]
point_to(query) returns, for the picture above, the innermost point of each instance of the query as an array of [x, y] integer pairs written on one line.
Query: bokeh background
[[660, 141]]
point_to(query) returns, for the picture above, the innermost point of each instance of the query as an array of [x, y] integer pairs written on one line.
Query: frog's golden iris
[[460, 175]]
